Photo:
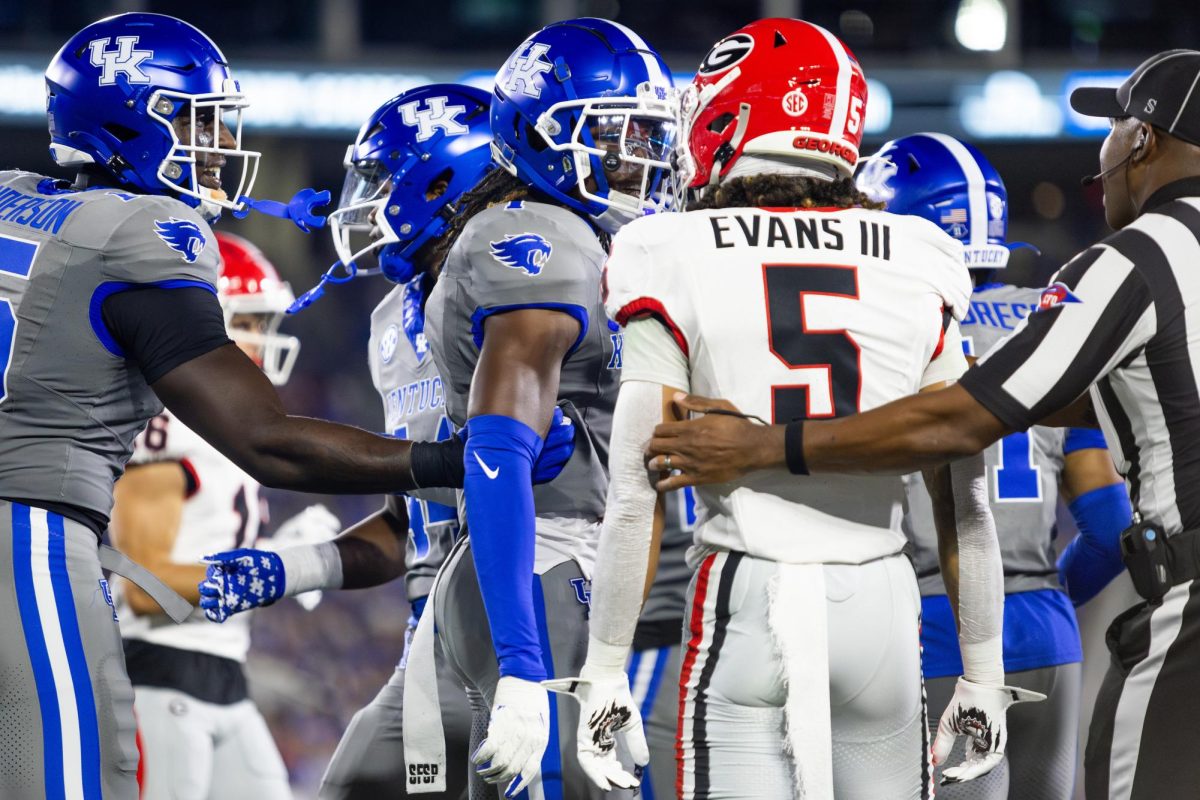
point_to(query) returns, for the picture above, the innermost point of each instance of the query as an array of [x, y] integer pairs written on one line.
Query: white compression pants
[[732, 723], [193, 750]]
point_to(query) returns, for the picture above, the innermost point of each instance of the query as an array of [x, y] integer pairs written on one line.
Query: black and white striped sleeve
[[1096, 313]]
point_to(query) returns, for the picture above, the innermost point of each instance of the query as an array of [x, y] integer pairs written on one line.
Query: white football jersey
[[790, 315], [222, 511]]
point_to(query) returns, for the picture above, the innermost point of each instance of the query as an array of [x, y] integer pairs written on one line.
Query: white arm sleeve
[[624, 550], [651, 354], [980, 575], [950, 364]]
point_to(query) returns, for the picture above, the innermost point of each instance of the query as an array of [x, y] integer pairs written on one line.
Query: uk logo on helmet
[[525, 69], [434, 117], [1054, 295], [182, 236], [125, 60], [527, 252]]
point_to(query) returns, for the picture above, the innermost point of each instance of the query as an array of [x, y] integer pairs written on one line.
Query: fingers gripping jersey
[[533, 255], [414, 406], [793, 315], [1023, 469], [222, 511], [72, 403]]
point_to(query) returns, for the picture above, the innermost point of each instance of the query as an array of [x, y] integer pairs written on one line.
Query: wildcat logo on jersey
[[124, 60], [1055, 295], [435, 116], [182, 236], [527, 252], [524, 71]]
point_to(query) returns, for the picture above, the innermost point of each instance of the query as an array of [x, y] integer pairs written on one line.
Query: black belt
[[1157, 562]]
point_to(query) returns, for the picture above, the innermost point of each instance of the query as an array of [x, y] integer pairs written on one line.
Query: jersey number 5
[[16, 258], [826, 361]]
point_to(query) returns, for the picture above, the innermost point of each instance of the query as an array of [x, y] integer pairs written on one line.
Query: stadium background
[[995, 72]]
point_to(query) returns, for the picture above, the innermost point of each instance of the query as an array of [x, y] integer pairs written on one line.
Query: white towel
[[424, 735]]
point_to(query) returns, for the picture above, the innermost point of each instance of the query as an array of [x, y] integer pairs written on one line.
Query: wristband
[[437, 464], [310, 567], [793, 447]]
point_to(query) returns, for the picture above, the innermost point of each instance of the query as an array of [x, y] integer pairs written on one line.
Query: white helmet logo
[[795, 103], [525, 69], [436, 115], [726, 53], [124, 60]]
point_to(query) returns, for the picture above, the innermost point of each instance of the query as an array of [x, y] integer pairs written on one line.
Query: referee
[[1122, 320]]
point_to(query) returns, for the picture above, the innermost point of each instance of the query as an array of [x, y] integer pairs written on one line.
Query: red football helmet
[[777, 88], [249, 285]]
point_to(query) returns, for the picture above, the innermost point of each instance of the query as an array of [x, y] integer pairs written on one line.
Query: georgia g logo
[[435, 115], [527, 252], [182, 236], [1054, 295], [124, 60], [726, 53]]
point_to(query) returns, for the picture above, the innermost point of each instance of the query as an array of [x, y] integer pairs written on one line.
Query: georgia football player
[[787, 290], [953, 185], [583, 121], [199, 732]]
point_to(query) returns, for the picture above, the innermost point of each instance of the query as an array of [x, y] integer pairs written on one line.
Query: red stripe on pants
[[696, 626]]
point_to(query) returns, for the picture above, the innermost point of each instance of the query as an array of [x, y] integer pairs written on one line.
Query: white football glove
[[977, 712], [606, 709], [313, 525], [517, 735]]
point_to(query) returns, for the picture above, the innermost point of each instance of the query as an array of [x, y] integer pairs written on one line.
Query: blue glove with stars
[[239, 580]]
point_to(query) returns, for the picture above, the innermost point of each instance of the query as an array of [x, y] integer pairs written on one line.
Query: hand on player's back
[[239, 580], [717, 446]]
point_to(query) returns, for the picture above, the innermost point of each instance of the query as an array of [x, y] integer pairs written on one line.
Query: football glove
[[517, 734], [606, 709], [557, 448], [312, 525], [977, 712], [239, 580]]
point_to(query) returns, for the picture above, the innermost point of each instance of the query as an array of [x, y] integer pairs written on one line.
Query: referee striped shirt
[[1123, 320]]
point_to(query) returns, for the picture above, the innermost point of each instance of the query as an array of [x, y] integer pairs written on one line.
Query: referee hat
[[1164, 91]]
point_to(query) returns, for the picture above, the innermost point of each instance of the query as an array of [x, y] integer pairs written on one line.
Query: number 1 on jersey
[[829, 379]]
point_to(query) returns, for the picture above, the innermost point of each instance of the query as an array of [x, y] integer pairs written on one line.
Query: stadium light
[[981, 25]]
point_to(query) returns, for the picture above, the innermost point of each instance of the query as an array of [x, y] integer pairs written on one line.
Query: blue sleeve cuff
[[499, 459], [1083, 439], [578, 313]]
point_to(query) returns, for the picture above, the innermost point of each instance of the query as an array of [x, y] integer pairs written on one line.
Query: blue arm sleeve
[[500, 520], [1094, 557]]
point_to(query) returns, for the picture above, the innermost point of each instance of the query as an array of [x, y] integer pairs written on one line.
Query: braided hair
[[784, 191], [499, 186]]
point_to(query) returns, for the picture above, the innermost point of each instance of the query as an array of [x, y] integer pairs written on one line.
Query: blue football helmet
[[586, 112], [948, 182], [122, 90], [396, 168]]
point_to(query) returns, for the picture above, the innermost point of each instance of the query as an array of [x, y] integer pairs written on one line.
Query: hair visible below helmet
[[250, 284], [780, 89], [951, 184], [114, 91], [587, 101], [412, 160]]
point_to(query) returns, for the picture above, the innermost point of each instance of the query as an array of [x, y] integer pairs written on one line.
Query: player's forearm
[[372, 551], [902, 436]]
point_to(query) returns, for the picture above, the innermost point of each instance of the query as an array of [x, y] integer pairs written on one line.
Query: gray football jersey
[[414, 407], [1023, 469], [533, 255], [72, 402], [668, 593]]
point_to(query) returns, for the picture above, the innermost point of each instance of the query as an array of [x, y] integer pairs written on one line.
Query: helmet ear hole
[[535, 141], [119, 131], [721, 123], [913, 164]]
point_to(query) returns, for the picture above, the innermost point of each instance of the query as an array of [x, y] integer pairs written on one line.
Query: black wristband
[[793, 447], [438, 464]]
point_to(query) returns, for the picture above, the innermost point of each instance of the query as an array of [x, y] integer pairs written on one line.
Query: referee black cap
[[1164, 91]]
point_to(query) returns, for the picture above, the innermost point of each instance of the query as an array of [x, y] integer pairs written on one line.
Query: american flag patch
[[954, 215]]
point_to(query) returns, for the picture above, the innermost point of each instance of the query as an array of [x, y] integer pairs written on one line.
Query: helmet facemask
[[274, 352], [361, 207], [186, 169]]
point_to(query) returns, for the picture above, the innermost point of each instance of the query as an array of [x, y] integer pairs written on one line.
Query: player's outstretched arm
[[145, 523], [512, 400], [1099, 503], [225, 397], [366, 554]]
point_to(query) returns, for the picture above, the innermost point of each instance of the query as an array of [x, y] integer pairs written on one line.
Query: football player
[[953, 185], [789, 290], [583, 120], [411, 161], [180, 499], [108, 310]]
